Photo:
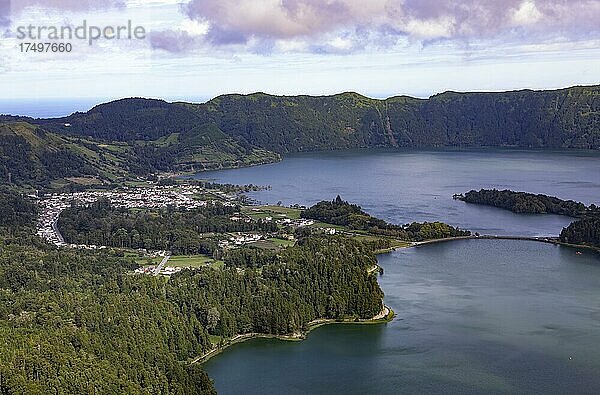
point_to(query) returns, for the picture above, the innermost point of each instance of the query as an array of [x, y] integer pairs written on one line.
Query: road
[[548, 239], [59, 237], [162, 264]]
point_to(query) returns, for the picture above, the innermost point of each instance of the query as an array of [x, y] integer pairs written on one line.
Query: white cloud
[[556, 44], [431, 28], [527, 14], [195, 27]]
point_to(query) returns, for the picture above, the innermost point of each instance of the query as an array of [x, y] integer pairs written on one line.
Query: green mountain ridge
[[239, 130], [565, 118], [32, 156]]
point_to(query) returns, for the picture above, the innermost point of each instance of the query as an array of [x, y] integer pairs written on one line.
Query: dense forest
[[75, 322], [527, 203], [183, 232], [339, 212], [80, 322], [15, 210], [585, 231], [31, 156], [132, 137], [558, 118]]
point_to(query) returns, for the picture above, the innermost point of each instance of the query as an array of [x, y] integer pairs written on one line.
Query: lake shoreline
[[419, 183], [386, 315]]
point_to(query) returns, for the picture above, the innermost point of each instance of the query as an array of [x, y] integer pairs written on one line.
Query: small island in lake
[[526, 203], [177, 270], [339, 212], [584, 232]]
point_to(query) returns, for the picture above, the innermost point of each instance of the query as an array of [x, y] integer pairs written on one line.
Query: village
[[179, 196], [154, 197]]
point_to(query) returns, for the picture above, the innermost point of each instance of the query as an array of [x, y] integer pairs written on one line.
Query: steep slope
[[140, 136], [30, 155], [128, 120], [567, 118], [302, 123]]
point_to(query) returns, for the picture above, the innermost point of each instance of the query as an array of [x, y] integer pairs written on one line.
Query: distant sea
[[46, 108], [52, 108]]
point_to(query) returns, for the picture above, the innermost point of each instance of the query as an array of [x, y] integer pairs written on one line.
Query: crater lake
[[473, 316]]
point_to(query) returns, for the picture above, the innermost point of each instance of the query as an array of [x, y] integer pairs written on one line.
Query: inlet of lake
[[473, 316]]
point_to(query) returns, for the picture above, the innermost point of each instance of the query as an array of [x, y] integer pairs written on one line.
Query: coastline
[[385, 316], [191, 174]]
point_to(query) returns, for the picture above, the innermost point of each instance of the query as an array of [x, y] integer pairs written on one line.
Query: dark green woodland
[[133, 137], [81, 322]]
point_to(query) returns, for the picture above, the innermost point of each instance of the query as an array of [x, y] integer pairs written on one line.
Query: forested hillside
[[15, 210], [28, 154], [527, 203], [74, 322], [141, 136], [585, 231], [339, 212], [32, 156], [566, 118]]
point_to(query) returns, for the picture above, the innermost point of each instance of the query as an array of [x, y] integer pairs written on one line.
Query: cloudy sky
[[197, 49]]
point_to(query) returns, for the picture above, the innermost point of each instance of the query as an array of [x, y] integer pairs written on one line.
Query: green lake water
[[476, 316]]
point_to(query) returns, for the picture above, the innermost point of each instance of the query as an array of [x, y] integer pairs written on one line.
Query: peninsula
[[144, 282]]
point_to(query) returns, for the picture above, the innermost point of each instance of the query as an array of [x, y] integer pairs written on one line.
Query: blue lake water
[[477, 316], [418, 186]]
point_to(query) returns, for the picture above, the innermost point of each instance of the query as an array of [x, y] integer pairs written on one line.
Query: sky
[[197, 49]]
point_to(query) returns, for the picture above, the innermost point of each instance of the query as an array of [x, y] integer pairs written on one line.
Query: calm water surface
[[418, 186], [478, 316]]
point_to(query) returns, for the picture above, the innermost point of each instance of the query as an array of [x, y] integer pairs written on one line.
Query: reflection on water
[[418, 186], [473, 316]]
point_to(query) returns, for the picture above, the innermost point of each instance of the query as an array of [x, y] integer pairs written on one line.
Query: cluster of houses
[[47, 225], [240, 218], [147, 197], [151, 270], [240, 239], [154, 197], [283, 220], [295, 223]]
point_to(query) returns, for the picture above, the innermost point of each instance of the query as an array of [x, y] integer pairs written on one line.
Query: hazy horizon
[[60, 106], [194, 48]]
